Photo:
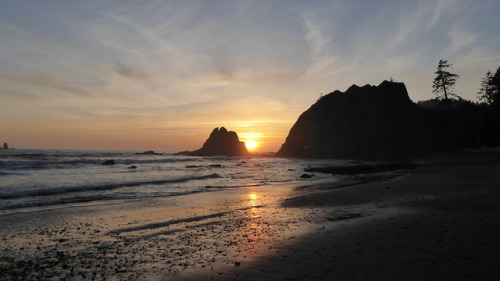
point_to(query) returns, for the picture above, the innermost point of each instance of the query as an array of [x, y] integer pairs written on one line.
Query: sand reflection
[[252, 228], [253, 199]]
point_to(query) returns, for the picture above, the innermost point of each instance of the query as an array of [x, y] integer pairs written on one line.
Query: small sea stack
[[221, 142], [149, 152], [5, 146]]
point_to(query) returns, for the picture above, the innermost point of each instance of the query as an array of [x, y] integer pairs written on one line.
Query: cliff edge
[[362, 122]]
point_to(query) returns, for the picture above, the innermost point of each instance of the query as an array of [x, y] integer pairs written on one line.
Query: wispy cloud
[[44, 81], [441, 7], [460, 38], [132, 72]]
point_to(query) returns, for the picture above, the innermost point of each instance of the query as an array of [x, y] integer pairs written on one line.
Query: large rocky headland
[[382, 122]]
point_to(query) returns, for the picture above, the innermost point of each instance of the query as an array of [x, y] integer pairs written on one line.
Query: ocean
[[35, 180]]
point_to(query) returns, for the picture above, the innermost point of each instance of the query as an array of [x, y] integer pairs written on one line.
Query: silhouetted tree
[[320, 96], [489, 110], [488, 90], [495, 82], [445, 81]]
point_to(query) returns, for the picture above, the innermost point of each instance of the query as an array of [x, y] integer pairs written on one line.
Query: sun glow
[[251, 145], [252, 140]]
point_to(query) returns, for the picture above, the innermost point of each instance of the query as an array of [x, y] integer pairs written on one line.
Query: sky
[[161, 75]]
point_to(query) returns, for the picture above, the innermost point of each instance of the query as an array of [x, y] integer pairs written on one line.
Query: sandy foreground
[[439, 221]]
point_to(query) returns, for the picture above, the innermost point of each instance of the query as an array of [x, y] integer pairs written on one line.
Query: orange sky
[[161, 75], [123, 135]]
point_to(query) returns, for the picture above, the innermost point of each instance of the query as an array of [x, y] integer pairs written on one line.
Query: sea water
[[34, 180]]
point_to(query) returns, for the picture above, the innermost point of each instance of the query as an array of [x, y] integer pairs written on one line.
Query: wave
[[72, 201], [44, 155], [71, 163], [75, 189], [232, 186], [3, 173]]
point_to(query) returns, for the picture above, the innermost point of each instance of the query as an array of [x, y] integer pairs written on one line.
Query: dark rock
[[457, 124], [193, 166], [361, 168], [215, 166], [149, 152], [132, 167], [5, 145], [237, 263], [363, 122], [220, 142], [306, 176], [109, 162]]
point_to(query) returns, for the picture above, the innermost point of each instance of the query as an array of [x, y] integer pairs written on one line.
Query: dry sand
[[435, 222]]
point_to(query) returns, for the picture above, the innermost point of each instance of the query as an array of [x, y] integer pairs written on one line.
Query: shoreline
[[433, 222], [149, 239]]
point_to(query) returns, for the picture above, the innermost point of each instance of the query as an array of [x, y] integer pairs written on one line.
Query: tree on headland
[[487, 91], [489, 109], [495, 82], [445, 81]]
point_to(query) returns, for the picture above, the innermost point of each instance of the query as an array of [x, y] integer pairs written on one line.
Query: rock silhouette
[[363, 122], [109, 162], [220, 142], [5, 145], [149, 152]]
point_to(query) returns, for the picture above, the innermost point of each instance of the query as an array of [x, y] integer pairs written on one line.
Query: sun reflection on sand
[[262, 226], [253, 199], [252, 226], [254, 206]]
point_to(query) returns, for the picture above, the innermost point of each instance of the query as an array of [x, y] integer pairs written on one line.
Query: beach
[[437, 221]]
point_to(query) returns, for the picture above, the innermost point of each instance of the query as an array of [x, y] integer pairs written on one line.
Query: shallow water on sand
[[151, 239], [33, 180]]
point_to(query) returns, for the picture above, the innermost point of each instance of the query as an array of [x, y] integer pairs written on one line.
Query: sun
[[251, 145], [252, 140]]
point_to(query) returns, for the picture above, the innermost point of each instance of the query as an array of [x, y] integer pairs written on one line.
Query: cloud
[[44, 81], [132, 72], [20, 95], [460, 38], [442, 7]]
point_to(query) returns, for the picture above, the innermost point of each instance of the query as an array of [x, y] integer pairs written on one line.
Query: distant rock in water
[[149, 152], [109, 162], [220, 142], [363, 122], [5, 145]]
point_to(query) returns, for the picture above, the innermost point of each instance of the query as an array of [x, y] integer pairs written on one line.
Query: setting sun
[[252, 140], [251, 145]]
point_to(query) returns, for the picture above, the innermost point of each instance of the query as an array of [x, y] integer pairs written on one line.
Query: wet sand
[[155, 239], [435, 222]]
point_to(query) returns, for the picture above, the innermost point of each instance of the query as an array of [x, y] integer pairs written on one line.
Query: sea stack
[[363, 122], [220, 142], [5, 145]]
